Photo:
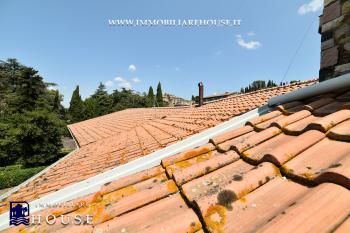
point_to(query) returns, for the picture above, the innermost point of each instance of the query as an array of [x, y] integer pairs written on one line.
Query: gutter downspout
[[330, 85]]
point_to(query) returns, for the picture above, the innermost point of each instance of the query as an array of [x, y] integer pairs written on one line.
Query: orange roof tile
[[281, 178], [114, 139]]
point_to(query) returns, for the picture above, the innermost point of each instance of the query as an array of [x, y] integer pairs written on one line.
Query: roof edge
[[77, 145], [234, 95]]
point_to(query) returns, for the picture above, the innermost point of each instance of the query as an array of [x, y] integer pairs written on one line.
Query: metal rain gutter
[[337, 83], [93, 184]]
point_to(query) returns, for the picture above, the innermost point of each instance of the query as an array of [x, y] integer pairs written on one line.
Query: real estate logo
[[19, 213]]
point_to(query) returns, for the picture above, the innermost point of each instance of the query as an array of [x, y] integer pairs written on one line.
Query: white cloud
[[119, 79], [109, 83], [123, 83], [248, 44], [312, 6], [132, 68], [136, 80]]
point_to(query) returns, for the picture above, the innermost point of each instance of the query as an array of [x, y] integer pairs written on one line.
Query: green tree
[[56, 101], [76, 106], [150, 96], [102, 101], [159, 95], [39, 133], [9, 151], [271, 83], [30, 132], [258, 84], [294, 81], [26, 91], [90, 108], [150, 93], [9, 73]]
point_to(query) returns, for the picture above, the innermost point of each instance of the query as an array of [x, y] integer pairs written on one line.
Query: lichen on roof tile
[[291, 172]]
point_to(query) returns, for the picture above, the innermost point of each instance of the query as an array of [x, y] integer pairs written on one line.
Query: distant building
[[175, 101], [217, 96]]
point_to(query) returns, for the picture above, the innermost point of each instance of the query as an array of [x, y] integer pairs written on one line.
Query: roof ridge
[[235, 95]]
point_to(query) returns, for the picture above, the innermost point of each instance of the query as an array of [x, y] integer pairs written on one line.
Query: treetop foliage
[[31, 117], [101, 103], [33, 121]]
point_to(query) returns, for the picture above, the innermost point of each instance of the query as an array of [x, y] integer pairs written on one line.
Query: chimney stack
[[335, 39], [201, 93]]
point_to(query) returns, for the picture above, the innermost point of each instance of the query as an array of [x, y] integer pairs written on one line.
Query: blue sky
[[71, 43]]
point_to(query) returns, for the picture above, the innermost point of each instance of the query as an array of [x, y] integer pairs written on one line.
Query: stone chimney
[[335, 39]]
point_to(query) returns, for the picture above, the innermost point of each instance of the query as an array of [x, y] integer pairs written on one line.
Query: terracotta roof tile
[[299, 126], [311, 163], [341, 131], [325, 123], [283, 108], [76, 229], [231, 134], [255, 139], [183, 163], [233, 174], [338, 173], [288, 147], [306, 216], [250, 213], [132, 179], [202, 167], [344, 97], [226, 146], [290, 178], [156, 217], [344, 227], [331, 108], [267, 124], [188, 154], [281, 123], [318, 103], [264, 118]]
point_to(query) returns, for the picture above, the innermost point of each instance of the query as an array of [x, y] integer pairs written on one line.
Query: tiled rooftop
[[180, 120], [109, 141], [285, 171]]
